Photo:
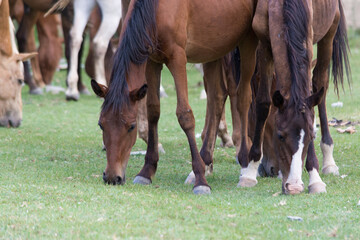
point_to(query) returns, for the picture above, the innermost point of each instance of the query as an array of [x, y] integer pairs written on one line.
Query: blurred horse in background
[[11, 71]]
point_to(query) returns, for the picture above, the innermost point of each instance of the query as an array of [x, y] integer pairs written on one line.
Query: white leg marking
[[314, 177], [251, 171], [316, 185], [296, 167], [329, 165]]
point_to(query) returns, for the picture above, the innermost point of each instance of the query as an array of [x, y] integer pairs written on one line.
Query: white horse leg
[[82, 11], [111, 15]]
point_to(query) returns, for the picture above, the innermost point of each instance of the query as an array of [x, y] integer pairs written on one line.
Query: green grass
[[51, 185]]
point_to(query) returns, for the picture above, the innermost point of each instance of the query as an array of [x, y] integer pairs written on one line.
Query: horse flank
[[340, 55], [138, 40]]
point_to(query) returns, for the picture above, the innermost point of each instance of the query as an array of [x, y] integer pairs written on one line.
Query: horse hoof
[[262, 171], [227, 144], [318, 187], [330, 169], [72, 97], [247, 182], [85, 91], [36, 91], [190, 179], [201, 190], [141, 180]]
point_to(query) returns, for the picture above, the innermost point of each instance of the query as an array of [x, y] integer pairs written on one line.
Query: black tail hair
[[340, 55]]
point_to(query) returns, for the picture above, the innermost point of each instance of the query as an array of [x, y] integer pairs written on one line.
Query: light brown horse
[[287, 30], [11, 71], [174, 33]]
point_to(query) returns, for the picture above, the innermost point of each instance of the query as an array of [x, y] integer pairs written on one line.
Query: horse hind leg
[[321, 79], [82, 11], [111, 15]]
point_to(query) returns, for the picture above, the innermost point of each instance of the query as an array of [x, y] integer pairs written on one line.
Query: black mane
[[138, 40], [296, 21]]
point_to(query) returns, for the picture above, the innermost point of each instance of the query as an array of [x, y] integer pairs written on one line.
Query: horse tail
[[340, 55], [57, 7], [235, 62]]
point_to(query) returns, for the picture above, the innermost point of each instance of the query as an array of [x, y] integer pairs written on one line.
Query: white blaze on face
[[296, 162]]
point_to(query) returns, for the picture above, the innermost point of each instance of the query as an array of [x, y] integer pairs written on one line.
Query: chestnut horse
[[170, 32], [11, 71], [287, 30]]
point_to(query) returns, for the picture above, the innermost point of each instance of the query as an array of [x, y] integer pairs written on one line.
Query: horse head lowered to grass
[[11, 72]]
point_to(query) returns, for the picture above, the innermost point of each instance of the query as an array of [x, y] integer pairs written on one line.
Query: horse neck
[[288, 75], [136, 76], [5, 39]]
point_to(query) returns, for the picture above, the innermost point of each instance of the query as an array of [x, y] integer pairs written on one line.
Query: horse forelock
[[137, 42], [296, 20]]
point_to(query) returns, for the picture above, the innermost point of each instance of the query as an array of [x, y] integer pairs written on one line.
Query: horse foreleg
[[316, 185], [50, 46], [109, 24], [247, 66], [82, 11], [216, 92], [177, 67], [153, 73]]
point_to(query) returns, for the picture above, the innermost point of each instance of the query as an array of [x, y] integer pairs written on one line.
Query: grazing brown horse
[[287, 30], [11, 71], [170, 32]]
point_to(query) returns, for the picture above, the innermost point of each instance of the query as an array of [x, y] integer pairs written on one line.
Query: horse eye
[[281, 138], [132, 127], [101, 127]]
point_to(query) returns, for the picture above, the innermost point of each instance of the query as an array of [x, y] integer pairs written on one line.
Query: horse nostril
[[118, 180], [272, 170]]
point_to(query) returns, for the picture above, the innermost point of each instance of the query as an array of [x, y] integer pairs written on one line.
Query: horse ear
[[278, 99], [23, 56], [99, 89], [139, 93], [316, 98]]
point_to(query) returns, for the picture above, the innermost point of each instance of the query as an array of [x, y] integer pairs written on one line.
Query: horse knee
[[153, 113], [262, 109], [186, 119], [100, 47]]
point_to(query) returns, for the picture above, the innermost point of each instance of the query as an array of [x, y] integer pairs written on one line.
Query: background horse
[[111, 15], [287, 30], [170, 32], [11, 71]]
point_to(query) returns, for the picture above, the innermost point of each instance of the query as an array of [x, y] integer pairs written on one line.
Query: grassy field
[[51, 185]]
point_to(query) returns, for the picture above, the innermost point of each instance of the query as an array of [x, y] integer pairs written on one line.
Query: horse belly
[[324, 12], [215, 27]]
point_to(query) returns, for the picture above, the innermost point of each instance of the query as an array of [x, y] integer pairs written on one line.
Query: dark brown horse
[[287, 29], [170, 32]]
